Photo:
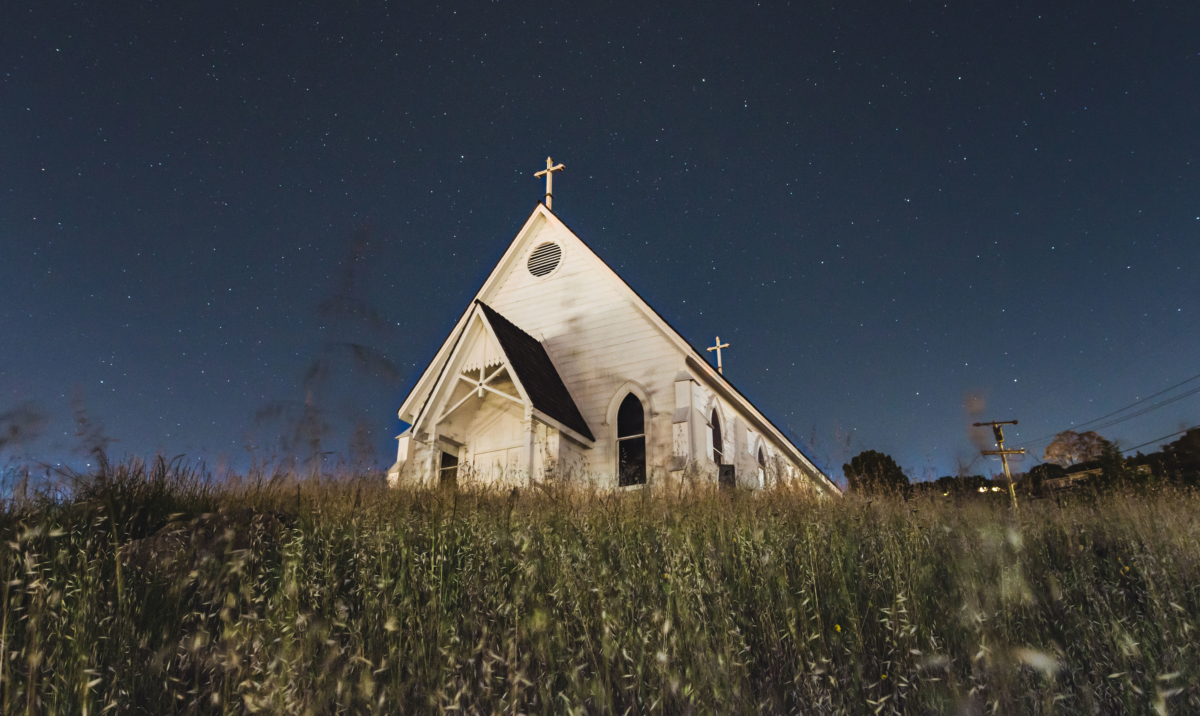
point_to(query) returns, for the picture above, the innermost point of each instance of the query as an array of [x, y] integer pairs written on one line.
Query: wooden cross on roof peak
[[548, 172], [717, 348]]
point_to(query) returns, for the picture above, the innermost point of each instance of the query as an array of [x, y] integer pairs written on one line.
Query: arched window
[[631, 442], [762, 468], [718, 445]]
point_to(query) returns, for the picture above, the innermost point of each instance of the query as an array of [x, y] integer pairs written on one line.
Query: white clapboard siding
[[597, 339]]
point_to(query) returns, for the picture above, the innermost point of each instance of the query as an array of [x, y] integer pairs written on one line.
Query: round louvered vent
[[545, 259]]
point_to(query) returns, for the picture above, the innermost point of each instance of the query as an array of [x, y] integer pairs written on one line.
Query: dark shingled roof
[[536, 372]]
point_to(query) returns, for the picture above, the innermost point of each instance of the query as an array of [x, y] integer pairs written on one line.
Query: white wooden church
[[558, 370]]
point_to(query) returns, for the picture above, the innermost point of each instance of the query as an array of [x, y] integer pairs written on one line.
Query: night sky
[[903, 216]]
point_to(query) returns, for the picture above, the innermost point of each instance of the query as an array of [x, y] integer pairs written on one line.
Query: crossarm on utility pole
[[997, 427]]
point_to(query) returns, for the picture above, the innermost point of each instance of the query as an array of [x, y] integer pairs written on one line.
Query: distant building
[[1071, 479], [558, 370]]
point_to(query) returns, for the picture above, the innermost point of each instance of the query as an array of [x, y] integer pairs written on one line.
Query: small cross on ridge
[[717, 348]]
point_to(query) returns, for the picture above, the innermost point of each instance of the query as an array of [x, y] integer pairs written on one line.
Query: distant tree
[[1183, 456], [960, 485], [1039, 474], [945, 485], [1117, 471], [1047, 471], [872, 472], [971, 483], [1071, 448]]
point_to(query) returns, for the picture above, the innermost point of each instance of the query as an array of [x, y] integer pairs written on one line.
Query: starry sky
[[903, 216]]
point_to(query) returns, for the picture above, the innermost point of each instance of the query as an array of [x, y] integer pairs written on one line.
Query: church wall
[[741, 443], [495, 442], [415, 469], [558, 457], [598, 341], [573, 464]]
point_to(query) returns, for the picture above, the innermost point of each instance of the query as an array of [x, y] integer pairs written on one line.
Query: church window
[[718, 445], [448, 470], [545, 259], [762, 468], [631, 442]]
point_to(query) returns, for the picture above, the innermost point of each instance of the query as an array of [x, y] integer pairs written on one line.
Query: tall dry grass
[[148, 589]]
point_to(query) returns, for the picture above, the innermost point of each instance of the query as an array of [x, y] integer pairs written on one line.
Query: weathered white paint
[[605, 342]]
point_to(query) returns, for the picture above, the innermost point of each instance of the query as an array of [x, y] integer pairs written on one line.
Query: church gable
[[477, 379], [495, 360], [578, 342], [554, 288], [595, 334]]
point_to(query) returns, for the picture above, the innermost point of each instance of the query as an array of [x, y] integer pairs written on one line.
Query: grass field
[[152, 590]]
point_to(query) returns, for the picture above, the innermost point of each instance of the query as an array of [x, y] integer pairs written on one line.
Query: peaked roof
[[696, 361], [536, 371]]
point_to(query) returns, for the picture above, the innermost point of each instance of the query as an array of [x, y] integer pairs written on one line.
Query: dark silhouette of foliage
[[362, 449], [969, 487], [304, 426], [1134, 474], [1111, 471], [20, 425], [1182, 457], [351, 300], [354, 324], [872, 472], [1046, 471], [1039, 474], [968, 483], [89, 431]]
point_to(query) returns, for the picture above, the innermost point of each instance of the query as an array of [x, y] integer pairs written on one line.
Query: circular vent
[[545, 259]]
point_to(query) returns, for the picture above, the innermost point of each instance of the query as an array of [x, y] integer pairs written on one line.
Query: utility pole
[[998, 431]]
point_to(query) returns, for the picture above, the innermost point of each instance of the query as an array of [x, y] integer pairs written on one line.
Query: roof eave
[[701, 364], [423, 384], [583, 440]]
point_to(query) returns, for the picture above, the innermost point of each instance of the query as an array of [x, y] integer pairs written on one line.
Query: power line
[[1150, 409], [1127, 407], [1135, 447], [1139, 400], [1143, 412], [1060, 388]]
